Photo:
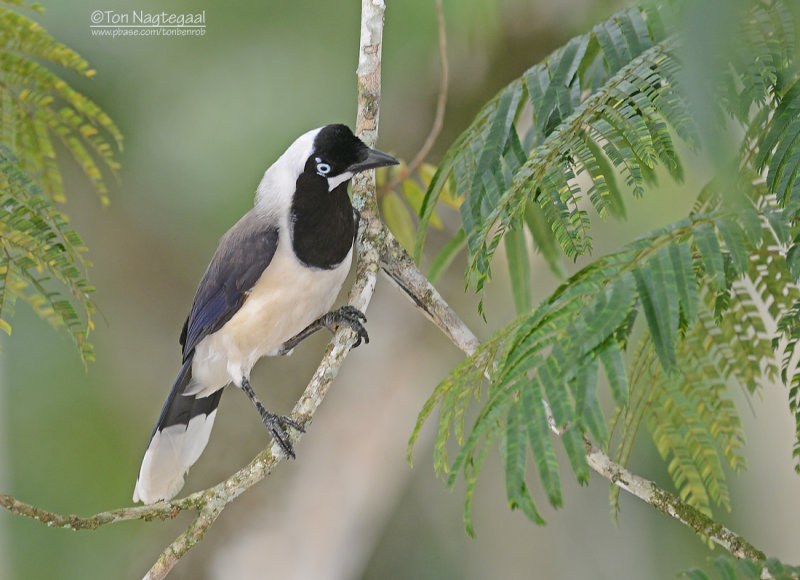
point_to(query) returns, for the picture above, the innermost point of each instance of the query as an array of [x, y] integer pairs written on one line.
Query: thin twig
[[160, 511], [401, 269], [669, 504], [441, 104]]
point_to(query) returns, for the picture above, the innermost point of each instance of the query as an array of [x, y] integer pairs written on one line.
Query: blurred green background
[[203, 117]]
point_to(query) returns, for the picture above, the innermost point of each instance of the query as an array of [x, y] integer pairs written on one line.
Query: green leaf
[[435, 188], [551, 374], [724, 569], [38, 245], [519, 268], [587, 407], [573, 444], [696, 574], [729, 568], [611, 357], [39, 107], [543, 239], [415, 196], [685, 283], [515, 459], [544, 454], [793, 261], [395, 214], [781, 146], [595, 119], [735, 243], [655, 283], [709, 248], [605, 181]]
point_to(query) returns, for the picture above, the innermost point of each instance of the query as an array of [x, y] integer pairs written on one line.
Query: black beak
[[374, 159]]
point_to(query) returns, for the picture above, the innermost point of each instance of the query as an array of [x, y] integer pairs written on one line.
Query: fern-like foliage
[[689, 414], [789, 327], [38, 245], [726, 568], [699, 299], [597, 104], [38, 110], [556, 353]]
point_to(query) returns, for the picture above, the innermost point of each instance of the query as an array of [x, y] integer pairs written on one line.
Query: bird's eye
[[323, 168]]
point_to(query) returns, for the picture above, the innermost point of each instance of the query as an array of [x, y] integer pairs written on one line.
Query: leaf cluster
[[40, 114], [669, 320], [726, 568]]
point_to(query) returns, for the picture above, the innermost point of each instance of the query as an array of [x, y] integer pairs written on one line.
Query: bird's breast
[[286, 299]]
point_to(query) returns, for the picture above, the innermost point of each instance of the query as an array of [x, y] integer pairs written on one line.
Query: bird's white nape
[[274, 193]]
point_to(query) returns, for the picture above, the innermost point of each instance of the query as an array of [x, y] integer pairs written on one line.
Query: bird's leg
[[344, 316], [275, 424]]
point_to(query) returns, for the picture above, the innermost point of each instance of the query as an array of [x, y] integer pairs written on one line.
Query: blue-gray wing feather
[[243, 254]]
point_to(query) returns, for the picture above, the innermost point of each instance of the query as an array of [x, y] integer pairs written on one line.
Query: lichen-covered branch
[[669, 504], [401, 269], [186, 540], [160, 511]]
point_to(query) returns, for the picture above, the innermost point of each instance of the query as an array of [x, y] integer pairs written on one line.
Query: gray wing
[[243, 254]]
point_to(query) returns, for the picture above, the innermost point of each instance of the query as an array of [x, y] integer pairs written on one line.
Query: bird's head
[[331, 153], [337, 155]]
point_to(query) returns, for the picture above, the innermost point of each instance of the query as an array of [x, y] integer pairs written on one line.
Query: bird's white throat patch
[[334, 182]]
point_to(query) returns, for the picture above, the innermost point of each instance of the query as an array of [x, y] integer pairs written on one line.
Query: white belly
[[286, 299]]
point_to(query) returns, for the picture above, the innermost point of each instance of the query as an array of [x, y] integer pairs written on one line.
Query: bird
[[270, 284]]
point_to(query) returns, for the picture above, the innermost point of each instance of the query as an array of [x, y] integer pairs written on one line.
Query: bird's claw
[[276, 425], [351, 317]]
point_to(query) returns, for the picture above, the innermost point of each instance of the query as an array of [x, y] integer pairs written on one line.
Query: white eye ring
[[323, 168]]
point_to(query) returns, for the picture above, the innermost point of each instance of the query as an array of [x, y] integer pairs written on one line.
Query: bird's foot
[[350, 317], [276, 425]]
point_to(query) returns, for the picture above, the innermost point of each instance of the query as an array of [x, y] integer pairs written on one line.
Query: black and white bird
[[270, 284]]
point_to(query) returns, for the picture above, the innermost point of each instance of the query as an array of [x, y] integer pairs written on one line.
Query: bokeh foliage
[[41, 262]]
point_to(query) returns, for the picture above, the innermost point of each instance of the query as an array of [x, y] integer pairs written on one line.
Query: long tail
[[179, 438]]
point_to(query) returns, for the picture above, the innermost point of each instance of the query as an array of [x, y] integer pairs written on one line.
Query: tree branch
[[400, 267], [185, 541], [160, 511], [669, 504]]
